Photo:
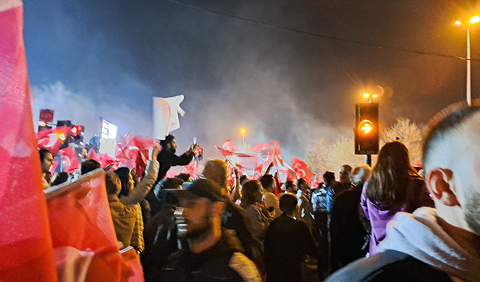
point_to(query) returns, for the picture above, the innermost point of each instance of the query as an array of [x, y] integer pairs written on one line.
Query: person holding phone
[[167, 157]]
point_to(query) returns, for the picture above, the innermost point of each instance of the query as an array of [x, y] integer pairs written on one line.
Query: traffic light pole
[[368, 160]]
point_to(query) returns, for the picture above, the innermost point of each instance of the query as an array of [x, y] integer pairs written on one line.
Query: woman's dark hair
[[123, 173], [60, 178], [391, 175], [89, 165], [249, 190]]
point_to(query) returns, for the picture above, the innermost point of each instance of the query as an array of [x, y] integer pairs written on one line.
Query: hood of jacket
[[420, 236]]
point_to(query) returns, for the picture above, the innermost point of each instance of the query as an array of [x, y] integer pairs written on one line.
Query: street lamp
[[472, 21], [369, 96], [243, 131]]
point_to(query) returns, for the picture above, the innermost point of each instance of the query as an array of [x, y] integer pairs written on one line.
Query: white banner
[[165, 115]]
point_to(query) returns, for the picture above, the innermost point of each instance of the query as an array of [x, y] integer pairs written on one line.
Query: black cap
[[200, 188]]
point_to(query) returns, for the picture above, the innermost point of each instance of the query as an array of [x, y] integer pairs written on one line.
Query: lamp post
[[243, 131], [472, 21]]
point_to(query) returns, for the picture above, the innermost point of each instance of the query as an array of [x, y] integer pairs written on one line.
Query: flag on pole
[[302, 170], [69, 159], [165, 115], [26, 252], [228, 145], [52, 139], [83, 236]]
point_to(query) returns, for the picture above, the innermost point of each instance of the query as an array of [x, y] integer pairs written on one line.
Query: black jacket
[[286, 243], [167, 159], [389, 266], [346, 230], [222, 262]]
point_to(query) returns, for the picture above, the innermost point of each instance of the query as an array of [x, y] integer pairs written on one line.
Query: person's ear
[[218, 208], [440, 185]]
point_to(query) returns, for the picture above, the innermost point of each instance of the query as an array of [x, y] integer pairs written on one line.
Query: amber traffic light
[[366, 128]]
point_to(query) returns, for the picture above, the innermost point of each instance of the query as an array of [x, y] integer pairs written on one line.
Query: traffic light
[[366, 128], [65, 139], [76, 134], [46, 116]]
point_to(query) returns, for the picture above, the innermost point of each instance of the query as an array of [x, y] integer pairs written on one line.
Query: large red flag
[[26, 252], [51, 139], [82, 230], [70, 160], [302, 170], [228, 145]]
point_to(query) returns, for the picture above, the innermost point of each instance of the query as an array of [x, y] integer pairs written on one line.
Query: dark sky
[[272, 67]]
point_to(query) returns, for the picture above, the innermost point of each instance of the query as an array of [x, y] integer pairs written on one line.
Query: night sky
[[285, 70]]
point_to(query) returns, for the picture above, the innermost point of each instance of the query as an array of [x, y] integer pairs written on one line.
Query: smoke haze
[[97, 58]]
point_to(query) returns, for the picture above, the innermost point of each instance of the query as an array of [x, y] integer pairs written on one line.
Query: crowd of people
[[386, 223]]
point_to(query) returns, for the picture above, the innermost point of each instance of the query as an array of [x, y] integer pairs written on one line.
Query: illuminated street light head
[[366, 95], [458, 23], [375, 96], [243, 131], [475, 19]]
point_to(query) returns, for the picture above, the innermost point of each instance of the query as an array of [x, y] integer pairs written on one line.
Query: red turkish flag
[[228, 145], [82, 230], [26, 252], [70, 160], [302, 170], [93, 155], [50, 139]]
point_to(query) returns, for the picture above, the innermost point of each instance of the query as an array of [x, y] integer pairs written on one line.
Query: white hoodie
[[420, 236]]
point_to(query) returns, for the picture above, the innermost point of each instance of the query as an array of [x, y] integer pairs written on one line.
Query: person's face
[[344, 174], [193, 217], [243, 182], [303, 187], [293, 189], [173, 146], [131, 183], [47, 163]]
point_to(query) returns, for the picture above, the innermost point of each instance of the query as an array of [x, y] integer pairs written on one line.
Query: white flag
[[165, 115]]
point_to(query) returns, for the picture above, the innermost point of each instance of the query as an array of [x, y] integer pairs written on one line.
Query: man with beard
[[214, 254], [441, 244], [167, 157]]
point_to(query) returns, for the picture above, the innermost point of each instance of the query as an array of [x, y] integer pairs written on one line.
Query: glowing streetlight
[[475, 19], [243, 131], [369, 96]]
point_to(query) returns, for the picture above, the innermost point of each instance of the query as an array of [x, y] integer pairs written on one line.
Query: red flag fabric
[[83, 236], [70, 160], [50, 139], [54, 167], [228, 145], [302, 170], [26, 252], [245, 161], [259, 170], [93, 155], [133, 268]]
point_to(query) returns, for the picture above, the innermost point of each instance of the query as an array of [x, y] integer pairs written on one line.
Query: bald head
[[451, 158]]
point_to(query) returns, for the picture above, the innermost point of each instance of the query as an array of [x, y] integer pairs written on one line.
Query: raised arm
[[143, 187]]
